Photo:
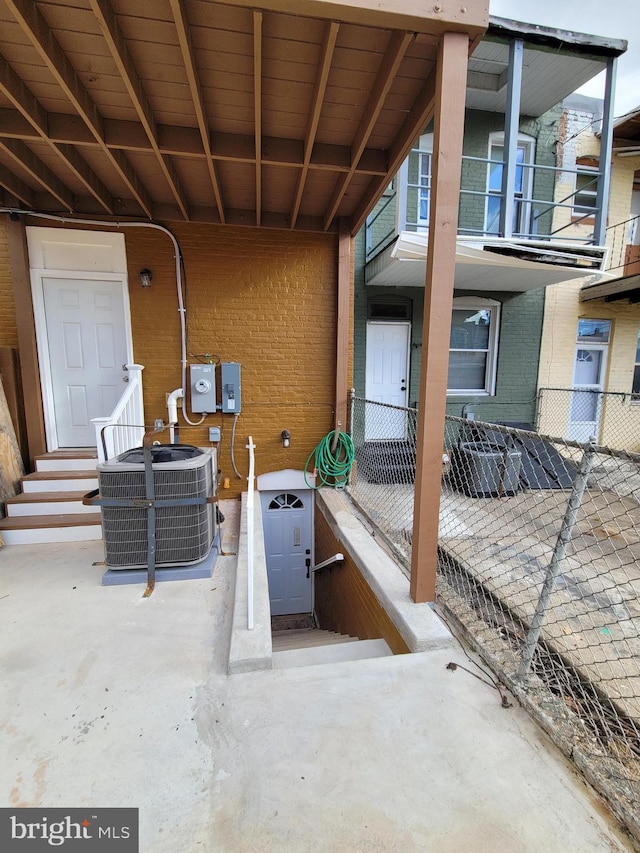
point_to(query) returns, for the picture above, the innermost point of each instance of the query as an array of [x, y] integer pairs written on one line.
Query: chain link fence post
[[559, 553]]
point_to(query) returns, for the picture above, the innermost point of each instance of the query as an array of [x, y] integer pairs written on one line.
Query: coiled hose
[[332, 469]]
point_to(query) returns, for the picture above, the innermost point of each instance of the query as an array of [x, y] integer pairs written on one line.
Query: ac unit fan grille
[[184, 534]]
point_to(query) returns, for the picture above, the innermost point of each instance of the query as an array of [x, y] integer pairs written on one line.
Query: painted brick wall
[[557, 358], [478, 125], [518, 348], [266, 299], [8, 331]]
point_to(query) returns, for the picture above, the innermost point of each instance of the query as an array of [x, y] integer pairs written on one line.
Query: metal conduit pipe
[[177, 254]]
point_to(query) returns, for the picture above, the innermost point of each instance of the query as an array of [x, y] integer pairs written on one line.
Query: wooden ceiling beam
[[187, 142], [415, 15], [417, 119], [317, 100], [32, 111], [398, 44], [37, 31], [15, 187], [257, 107], [188, 57], [27, 160], [120, 52]]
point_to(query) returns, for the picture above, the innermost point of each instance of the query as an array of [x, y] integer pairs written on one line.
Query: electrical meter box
[[230, 380], [203, 388]]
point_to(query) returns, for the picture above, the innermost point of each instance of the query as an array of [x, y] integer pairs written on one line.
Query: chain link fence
[[609, 417], [539, 565]]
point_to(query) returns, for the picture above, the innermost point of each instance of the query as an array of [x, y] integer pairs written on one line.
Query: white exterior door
[[87, 350], [585, 408], [83, 329], [387, 379]]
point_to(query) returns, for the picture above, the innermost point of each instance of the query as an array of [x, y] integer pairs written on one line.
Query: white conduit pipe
[[117, 224]]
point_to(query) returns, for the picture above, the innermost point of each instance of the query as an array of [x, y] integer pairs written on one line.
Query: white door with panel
[[83, 328], [585, 408], [87, 350], [387, 379]]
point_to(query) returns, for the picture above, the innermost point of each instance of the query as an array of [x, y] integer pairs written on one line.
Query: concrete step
[[307, 637], [60, 481], [334, 653], [47, 503], [67, 460], [42, 529]]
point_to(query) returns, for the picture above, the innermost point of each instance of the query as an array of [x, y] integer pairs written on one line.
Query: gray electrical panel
[[230, 380], [203, 388]]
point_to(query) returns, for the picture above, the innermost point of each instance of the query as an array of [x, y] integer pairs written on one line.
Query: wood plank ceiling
[[210, 112]]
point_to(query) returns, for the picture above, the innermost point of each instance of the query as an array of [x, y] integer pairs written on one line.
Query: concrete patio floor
[[109, 699]]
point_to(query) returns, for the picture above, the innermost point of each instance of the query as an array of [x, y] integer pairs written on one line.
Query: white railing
[[124, 427], [250, 532]]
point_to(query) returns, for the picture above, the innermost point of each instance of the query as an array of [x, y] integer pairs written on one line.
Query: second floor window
[[424, 178], [585, 198], [523, 184]]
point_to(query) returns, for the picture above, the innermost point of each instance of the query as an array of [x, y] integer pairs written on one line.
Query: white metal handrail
[[250, 532], [124, 427], [337, 558]]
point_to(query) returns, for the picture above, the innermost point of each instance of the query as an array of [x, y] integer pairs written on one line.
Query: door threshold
[[292, 622]]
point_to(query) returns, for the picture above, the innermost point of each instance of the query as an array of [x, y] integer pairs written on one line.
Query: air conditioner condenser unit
[[184, 533]]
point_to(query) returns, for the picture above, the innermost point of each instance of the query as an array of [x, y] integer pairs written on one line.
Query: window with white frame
[[473, 346], [425, 151], [635, 389], [586, 195], [523, 184]]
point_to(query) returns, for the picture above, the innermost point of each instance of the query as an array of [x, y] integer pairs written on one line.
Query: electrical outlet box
[[214, 433], [230, 379], [203, 388]]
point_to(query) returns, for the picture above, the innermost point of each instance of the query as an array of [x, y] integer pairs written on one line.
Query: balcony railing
[[624, 242], [546, 206]]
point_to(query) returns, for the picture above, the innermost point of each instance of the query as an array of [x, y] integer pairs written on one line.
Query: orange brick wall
[[266, 299], [8, 331]]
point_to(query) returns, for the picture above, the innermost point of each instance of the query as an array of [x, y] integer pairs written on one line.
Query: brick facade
[[264, 298]]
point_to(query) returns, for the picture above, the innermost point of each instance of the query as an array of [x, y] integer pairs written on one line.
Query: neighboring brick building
[[615, 360]]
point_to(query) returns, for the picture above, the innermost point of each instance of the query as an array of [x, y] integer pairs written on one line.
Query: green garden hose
[[332, 468]]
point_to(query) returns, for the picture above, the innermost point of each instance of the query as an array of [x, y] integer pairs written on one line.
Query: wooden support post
[[441, 252], [342, 324], [29, 370]]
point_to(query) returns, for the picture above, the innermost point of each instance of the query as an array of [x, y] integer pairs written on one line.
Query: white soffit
[[479, 269]]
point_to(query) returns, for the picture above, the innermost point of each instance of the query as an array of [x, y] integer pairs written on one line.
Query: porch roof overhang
[[556, 63], [613, 291], [273, 113], [496, 264]]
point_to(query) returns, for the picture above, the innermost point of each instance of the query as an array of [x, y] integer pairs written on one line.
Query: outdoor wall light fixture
[[145, 277], [285, 435]]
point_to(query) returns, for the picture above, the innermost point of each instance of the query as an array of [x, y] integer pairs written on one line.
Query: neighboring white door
[[286, 519], [387, 379], [585, 408], [87, 346], [83, 328]]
